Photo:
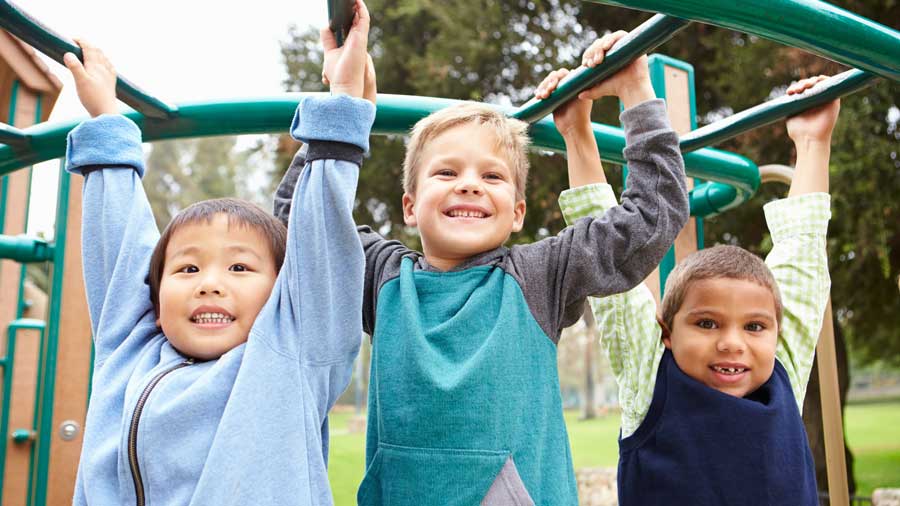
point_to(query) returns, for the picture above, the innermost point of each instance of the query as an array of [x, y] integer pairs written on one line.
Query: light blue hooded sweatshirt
[[249, 428]]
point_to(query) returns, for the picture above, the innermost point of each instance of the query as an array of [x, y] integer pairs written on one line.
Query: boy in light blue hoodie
[[216, 364]]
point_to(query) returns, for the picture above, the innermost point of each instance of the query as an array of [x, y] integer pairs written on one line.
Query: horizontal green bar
[[649, 35], [25, 249], [813, 25], [396, 115], [19, 23], [12, 135], [834, 87], [20, 436]]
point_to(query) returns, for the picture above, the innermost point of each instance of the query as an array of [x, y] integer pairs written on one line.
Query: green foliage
[[498, 51], [181, 172]]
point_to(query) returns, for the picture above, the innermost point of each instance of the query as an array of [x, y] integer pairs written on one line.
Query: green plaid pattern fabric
[[630, 335]]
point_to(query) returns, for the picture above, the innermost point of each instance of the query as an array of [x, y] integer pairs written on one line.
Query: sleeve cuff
[[803, 214], [644, 120], [338, 118], [588, 200], [109, 140]]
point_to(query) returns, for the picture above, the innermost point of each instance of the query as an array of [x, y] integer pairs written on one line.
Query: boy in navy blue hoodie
[[216, 364]]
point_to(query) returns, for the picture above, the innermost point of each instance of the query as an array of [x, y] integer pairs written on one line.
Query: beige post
[[678, 104]]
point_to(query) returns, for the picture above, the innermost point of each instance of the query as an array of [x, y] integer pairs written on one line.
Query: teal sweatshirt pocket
[[402, 475]]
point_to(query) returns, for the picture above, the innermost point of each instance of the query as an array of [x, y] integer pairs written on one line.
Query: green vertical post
[[657, 64], [20, 309], [7, 363], [37, 488]]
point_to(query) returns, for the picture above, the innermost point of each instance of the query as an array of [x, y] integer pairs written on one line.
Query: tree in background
[[181, 172]]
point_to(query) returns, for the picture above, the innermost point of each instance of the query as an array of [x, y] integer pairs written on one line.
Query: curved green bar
[[815, 26], [649, 35], [12, 135], [834, 87], [396, 115], [45, 40]]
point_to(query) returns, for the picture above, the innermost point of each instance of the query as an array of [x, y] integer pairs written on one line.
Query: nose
[[210, 284], [731, 341], [469, 185]]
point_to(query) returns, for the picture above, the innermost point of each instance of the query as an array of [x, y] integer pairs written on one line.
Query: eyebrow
[[709, 312], [188, 250], [493, 160]]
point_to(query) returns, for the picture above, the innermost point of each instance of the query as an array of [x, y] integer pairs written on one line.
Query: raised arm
[[799, 225], [612, 253], [118, 229], [317, 299]]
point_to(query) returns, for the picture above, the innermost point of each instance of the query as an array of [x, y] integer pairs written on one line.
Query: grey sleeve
[[383, 259], [613, 253], [285, 190]]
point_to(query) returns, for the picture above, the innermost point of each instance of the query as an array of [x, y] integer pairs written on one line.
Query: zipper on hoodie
[[132, 432]]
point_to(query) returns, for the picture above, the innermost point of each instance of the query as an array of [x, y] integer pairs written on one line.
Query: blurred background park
[[497, 52]]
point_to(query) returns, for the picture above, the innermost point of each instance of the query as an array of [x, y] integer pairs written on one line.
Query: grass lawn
[[873, 432]]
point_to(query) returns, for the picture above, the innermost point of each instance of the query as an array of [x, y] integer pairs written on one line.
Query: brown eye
[[238, 268], [188, 269], [755, 327], [706, 324]]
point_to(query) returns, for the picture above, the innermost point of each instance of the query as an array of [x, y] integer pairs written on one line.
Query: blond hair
[[512, 139], [717, 262]]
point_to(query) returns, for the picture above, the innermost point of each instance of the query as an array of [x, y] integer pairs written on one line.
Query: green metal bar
[[340, 18], [20, 308], [47, 371], [12, 135], [396, 115], [25, 249], [7, 363], [19, 23], [777, 109], [649, 35], [813, 25]]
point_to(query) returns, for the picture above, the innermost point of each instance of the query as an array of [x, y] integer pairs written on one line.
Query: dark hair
[[240, 212], [717, 262]]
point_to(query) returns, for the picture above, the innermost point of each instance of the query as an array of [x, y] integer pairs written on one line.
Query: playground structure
[[46, 360]]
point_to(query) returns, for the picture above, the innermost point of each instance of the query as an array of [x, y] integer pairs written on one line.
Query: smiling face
[[725, 333], [215, 279], [464, 202]]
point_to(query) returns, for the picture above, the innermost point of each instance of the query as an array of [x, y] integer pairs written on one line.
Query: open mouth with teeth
[[730, 371], [466, 213], [212, 318]]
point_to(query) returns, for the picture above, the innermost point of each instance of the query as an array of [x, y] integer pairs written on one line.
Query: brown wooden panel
[[73, 362], [21, 416]]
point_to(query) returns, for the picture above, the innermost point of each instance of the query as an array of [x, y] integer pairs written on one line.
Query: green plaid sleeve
[[798, 226], [626, 322]]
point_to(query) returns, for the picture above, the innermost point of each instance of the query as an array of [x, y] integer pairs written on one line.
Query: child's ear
[[409, 204], [666, 332], [518, 216]]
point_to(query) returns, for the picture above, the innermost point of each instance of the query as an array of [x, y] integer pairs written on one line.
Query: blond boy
[[464, 402]]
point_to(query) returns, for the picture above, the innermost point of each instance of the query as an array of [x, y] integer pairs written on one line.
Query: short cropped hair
[[512, 140], [717, 262], [239, 212]]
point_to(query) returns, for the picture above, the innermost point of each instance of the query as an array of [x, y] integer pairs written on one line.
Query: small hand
[[815, 124], [345, 67], [95, 80], [631, 84], [576, 113]]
